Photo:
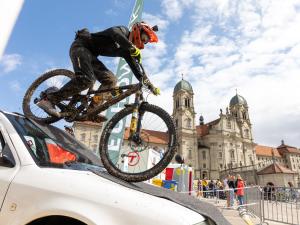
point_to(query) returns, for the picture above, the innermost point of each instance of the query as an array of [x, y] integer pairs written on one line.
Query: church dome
[[183, 84], [238, 100]]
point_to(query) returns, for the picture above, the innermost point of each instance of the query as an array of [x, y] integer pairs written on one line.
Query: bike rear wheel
[[51, 79], [124, 158]]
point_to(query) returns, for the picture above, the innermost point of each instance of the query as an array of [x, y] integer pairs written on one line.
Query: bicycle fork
[[136, 119]]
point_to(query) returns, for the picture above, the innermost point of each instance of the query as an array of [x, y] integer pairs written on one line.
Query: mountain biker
[[116, 41]]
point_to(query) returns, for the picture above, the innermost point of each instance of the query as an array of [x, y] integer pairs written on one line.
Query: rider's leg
[[84, 78], [107, 80], [84, 75], [105, 77]]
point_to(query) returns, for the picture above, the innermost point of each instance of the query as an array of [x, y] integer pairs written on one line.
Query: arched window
[[188, 123], [244, 115], [228, 124], [247, 133], [187, 103], [190, 153], [232, 154], [177, 103], [204, 155]]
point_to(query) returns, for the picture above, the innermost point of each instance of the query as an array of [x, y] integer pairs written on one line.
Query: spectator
[[226, 188], [205, 187], [231, 186], [211, 186], [199, 188], [240, 189]]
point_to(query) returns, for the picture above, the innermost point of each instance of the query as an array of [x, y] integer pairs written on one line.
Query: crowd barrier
[[278, 204]]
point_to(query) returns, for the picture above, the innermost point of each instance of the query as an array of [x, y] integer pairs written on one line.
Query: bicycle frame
[[130, 89]]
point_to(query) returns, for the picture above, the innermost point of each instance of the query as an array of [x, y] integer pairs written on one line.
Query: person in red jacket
[[240, 185]]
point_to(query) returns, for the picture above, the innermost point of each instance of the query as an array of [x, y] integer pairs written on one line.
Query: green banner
[[124, 76]]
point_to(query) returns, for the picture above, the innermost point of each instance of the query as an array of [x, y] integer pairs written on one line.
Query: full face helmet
[[141, 33]]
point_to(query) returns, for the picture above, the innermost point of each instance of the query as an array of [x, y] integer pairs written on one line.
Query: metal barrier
[[253, 201], [281, 204], [226, 199], [278, 204]]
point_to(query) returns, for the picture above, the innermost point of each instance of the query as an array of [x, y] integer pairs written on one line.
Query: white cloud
[[173, 9], [253, 46], [154, 53], [10, 62]]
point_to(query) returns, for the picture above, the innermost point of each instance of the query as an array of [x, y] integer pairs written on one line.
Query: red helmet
[[139, 28]]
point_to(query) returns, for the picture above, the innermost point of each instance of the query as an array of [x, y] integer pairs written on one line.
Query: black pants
[[87, 70]]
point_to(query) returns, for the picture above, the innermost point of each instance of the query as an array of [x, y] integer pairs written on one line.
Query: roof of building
[[202, 130], [275, 168], [183, 85], [156, 137], [287, 149], [238, 100], [262, 150], [214, 122]]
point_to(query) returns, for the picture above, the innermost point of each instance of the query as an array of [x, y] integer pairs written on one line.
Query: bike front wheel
[[139, 156]]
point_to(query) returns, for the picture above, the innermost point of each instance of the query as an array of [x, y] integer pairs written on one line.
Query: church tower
[[184, 117], [238, 108]]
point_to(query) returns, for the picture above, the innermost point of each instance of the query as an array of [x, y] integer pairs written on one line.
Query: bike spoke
[[153, 136]]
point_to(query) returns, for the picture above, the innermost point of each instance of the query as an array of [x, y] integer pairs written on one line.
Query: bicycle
[[130, 159]]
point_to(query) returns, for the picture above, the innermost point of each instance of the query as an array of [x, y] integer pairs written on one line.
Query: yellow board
[[157, 182]]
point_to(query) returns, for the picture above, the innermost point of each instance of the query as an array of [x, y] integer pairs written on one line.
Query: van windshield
[[50, 146]]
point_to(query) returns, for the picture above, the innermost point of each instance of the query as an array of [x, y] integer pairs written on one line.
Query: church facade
[[216, 146]]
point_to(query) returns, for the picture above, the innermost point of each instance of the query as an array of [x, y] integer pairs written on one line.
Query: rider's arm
[[140, 75], [135, 68], [119, 34]]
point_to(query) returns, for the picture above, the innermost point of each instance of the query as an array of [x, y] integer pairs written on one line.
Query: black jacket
[[231, 184], [113, 42]]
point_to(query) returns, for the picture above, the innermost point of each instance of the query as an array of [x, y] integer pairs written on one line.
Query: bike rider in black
[[116, 41]]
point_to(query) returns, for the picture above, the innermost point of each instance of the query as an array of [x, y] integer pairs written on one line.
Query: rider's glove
[[155, 91], [136, 53]]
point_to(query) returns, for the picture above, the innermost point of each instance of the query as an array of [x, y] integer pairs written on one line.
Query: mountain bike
[[136, 144]]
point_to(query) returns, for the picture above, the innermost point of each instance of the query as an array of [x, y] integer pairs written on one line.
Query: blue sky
[[219, 45]]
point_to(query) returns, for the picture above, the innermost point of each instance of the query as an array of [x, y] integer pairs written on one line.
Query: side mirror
[[155, 28], [6, 161]]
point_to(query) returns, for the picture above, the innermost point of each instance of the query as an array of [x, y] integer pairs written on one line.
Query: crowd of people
[[231, 189]]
